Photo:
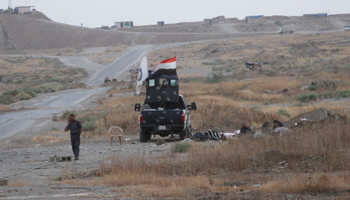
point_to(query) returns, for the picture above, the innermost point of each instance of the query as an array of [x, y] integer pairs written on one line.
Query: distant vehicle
[[287, 29], [347, 28]]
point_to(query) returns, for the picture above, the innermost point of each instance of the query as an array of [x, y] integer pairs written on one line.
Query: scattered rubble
[[216, 50]]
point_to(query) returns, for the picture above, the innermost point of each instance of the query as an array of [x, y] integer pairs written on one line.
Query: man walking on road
[[75, 131]]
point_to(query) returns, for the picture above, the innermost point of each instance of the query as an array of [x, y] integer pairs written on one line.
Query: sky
[[97, 13]]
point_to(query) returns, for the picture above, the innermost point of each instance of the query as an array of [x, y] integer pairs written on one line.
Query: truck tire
[[149, 136], [143, 136]]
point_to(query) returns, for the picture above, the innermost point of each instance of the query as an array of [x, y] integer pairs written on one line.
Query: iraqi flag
[[166, 67]]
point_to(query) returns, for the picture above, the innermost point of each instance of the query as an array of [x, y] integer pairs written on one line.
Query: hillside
[[36, 31]]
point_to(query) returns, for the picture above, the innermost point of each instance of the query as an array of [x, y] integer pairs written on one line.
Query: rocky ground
[[33, 176]]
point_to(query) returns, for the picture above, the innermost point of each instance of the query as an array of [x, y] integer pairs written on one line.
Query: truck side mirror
[[193, 106], [137, 107]]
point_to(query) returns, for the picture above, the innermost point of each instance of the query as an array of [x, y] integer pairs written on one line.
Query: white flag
[[143, 74]]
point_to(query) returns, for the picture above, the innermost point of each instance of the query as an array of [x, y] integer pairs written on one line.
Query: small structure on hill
[[207, 22], [254, 19], [218, 20], [23, 10], [125, 24], [317, 15], [160, 23]]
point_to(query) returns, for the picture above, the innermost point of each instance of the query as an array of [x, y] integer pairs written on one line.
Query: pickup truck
[[165, 118]]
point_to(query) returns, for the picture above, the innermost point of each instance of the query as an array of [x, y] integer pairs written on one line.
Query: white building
[[126, 24], [23, 9]]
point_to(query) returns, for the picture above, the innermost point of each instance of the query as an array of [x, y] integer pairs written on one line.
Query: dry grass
[[314, 183], [52, 137], [20, 183], [153, 185], [182, 175], [4, 108]]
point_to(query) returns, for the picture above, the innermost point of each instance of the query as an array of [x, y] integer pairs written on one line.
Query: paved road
[[13, 122], [46, 104]]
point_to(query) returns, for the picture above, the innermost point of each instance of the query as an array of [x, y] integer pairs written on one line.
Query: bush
[[302, 98], [65, 114], [181, 147], [312, 97], [53, 87], [31, 91], [45, 89], [343, 94], [215, 78], [23, 96], [89, 126], [6, 99], [312, 87], [283, 112], [325, 95], [11, 93], [266, 103], [160, 142]]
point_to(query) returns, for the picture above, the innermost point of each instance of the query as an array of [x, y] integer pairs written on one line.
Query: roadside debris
[[216, 50], [276, 92], [281, 131], [254, 66]]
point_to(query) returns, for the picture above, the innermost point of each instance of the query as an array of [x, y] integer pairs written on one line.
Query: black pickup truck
[[165, 118]]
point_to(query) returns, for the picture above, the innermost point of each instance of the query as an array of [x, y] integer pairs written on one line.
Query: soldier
[[277, 124], [246, 130], [75, 131]]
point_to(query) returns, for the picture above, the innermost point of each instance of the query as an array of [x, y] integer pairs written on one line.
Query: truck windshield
[[167, 105]]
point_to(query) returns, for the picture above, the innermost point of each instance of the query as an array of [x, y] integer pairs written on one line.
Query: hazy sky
[[95, 13]]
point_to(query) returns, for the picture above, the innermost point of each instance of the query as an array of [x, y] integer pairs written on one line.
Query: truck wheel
[[149, 136], [143, 136]]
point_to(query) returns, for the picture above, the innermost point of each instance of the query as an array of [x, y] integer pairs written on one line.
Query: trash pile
[[276, 128]]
